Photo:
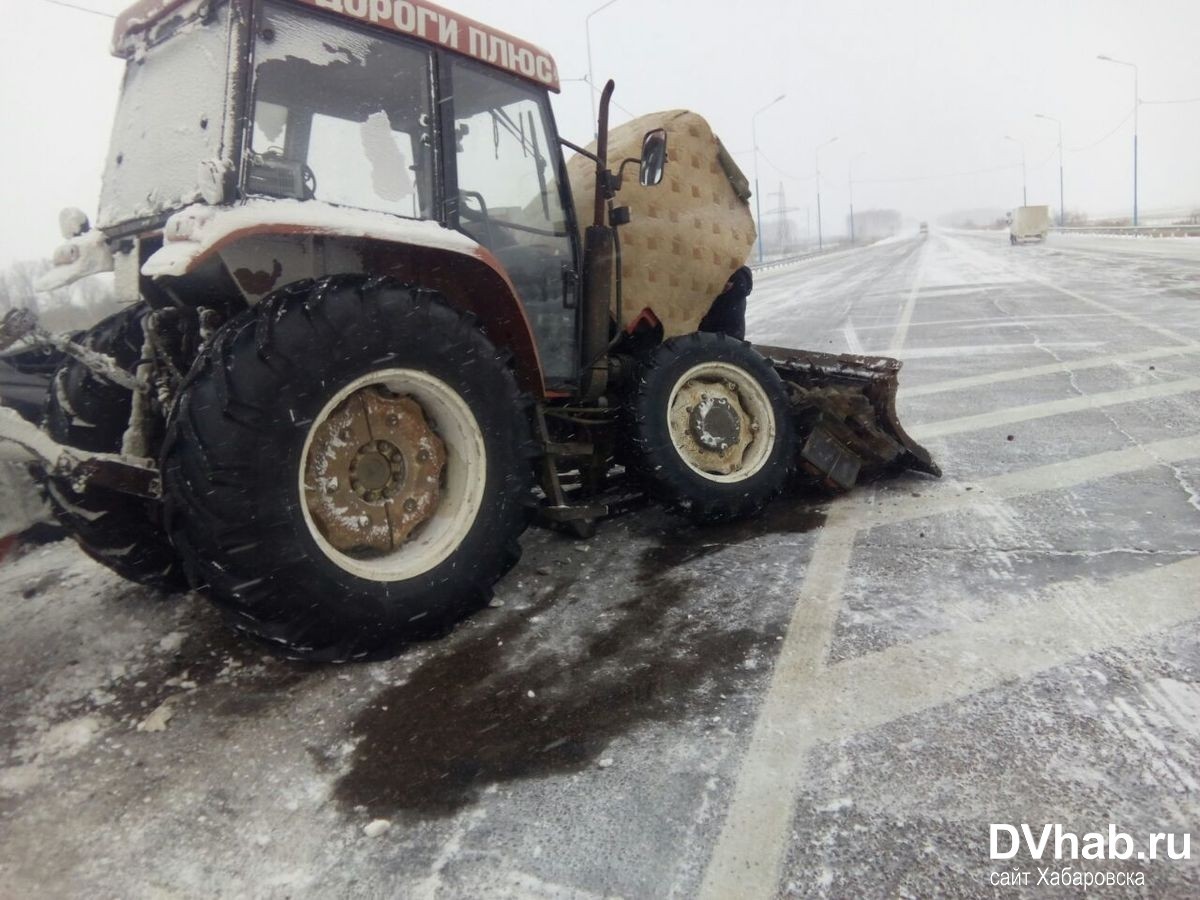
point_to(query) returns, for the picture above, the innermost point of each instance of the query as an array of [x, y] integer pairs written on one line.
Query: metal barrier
[[791, 260], [1143, 230]]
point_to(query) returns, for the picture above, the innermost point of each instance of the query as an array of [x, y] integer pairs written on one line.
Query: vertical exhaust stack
[[598, 268]]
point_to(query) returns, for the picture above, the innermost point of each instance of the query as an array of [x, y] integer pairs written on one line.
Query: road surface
[[837, 699]]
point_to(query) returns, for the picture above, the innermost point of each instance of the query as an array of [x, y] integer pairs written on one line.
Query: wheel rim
[[392, 474], [721, 422]]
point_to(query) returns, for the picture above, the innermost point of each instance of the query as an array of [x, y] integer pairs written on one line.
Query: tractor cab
[[360, 119], [405, 110]]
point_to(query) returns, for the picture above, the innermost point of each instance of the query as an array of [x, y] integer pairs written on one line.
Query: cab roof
[[417, 19]]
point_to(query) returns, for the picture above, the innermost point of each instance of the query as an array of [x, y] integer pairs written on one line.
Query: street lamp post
[[591, 79], [817, 166], [1024, 180], [757, 196], [1062, 209], [1137, 101]]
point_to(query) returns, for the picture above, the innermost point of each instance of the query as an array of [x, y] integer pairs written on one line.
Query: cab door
[[506, 188]]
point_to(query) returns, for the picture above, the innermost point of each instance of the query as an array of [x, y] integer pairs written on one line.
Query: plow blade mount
[[845, 413], [23, 442]]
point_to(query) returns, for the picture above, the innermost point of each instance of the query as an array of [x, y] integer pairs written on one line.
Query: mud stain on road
[[688, 543], [509, 704]]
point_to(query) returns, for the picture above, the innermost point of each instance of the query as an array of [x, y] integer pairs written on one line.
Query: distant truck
[[1029, 223]]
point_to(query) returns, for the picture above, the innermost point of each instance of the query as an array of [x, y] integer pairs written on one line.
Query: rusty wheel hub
[[373, 472]]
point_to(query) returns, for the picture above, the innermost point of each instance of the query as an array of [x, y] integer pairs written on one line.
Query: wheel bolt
[[410, 505], [392, 419], [422, 456]]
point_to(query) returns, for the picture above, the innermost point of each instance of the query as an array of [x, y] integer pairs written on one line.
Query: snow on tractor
[[370, 334]]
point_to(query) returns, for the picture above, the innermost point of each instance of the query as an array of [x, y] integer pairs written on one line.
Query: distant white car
[[1029, 223]]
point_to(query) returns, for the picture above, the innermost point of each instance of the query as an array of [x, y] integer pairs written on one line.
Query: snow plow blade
[[845, 413]]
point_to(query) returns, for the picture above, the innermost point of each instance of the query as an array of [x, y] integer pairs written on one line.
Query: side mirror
[[654, 157]]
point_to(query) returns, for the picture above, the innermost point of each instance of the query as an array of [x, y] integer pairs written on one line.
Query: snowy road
[[835, 700]]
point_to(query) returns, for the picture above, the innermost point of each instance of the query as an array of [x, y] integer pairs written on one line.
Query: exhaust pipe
[[598, 241]]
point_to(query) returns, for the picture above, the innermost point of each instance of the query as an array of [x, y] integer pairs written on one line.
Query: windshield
[[340, 116]]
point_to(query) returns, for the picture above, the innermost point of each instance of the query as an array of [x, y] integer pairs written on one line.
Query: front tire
[[709, 428], [348, 468]]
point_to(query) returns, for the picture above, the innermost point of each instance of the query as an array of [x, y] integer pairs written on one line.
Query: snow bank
[[21, 503]]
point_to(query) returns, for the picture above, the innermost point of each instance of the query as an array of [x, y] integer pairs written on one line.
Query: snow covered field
[[834, 700]]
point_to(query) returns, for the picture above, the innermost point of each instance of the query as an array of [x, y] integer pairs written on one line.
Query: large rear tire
[[120, 531], [708, 427], [347, 468]]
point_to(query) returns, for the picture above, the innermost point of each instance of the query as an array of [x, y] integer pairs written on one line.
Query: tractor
[[378, 322]]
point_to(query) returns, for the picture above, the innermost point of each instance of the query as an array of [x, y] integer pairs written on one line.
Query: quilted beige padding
[[688, 234]]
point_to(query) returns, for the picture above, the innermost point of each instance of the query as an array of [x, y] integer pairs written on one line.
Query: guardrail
[[1143, 230], [791, 260]]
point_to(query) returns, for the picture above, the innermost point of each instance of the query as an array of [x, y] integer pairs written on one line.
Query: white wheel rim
[[741, 393], [463, 480]]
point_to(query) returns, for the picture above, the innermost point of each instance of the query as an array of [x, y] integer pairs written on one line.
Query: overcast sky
[[915, 91]]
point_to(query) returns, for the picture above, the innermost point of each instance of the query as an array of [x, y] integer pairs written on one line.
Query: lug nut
[[422, 455], [410, 505], [392, 419]]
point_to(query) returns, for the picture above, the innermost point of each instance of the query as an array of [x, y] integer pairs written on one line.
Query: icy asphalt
[[834, 700]]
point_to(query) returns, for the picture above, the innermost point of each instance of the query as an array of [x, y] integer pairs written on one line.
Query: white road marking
[[1120, 313], [1022, 322], [852, 342], [992, 349], [1095, 362], [941, 498], [753, 839], [1053, 408], [1069, 620], [806, 702], [906, 313]]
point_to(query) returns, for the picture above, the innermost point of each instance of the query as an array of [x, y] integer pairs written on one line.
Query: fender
[[265, 244]]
